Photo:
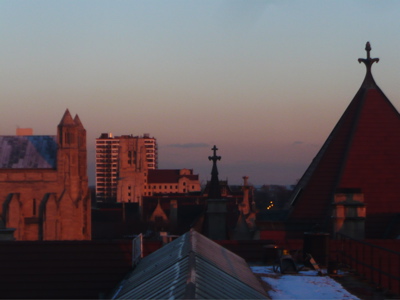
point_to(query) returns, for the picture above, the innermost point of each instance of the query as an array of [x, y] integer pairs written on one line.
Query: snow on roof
[[305, 285]]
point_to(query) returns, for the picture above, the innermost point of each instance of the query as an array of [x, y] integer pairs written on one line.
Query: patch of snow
[[262, 270], [304, 285]]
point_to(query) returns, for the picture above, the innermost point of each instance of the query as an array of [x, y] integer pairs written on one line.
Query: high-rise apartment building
[[120, 159], [107, 149]]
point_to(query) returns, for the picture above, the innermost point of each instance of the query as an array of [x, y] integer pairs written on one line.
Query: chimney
[[24, 131]]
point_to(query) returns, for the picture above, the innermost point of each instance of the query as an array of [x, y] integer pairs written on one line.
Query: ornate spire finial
[[368, 49], [215, 157], [215, 191], [369, 80], [368, 61]]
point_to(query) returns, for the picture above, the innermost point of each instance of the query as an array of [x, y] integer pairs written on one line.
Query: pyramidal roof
[[67, 119], [360, 153], [77, 121]]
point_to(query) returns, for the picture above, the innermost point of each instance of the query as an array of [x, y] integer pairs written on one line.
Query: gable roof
[[361, 152], [191, 267], [158, 213], [28, 152]]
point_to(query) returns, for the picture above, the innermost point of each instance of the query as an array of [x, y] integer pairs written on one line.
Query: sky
[[265, 81]]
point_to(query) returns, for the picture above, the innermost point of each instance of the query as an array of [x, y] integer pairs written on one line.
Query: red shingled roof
[[361, 152], [167, 176]]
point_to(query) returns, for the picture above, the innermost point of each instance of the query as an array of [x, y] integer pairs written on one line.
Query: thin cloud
[[305, 144], [189, 145]]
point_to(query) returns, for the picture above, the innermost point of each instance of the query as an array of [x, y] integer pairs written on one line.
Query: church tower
[[74, 201], [69, 138], [216, 205], [82, 153]]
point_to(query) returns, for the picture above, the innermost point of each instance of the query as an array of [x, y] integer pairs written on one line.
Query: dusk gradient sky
[[265, 81]]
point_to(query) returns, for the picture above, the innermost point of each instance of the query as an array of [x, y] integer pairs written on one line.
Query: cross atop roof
[[215, 191], [215, 157]]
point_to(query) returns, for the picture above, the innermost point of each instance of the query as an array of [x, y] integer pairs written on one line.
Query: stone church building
[[44, 192]]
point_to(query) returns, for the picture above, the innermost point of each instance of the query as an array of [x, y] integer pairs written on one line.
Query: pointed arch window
[[69, 138]]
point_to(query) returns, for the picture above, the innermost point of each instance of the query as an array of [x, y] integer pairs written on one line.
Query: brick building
[[121, 166], [171, 181], [44, 191], [126, 170]]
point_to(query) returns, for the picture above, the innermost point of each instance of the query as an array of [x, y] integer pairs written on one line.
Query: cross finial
[[215, 157], [368, 61], [215, 190], [368, 81], [368, 49]]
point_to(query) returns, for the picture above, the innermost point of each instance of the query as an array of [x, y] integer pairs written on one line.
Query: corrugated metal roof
[[192, 266], [28, 152]]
